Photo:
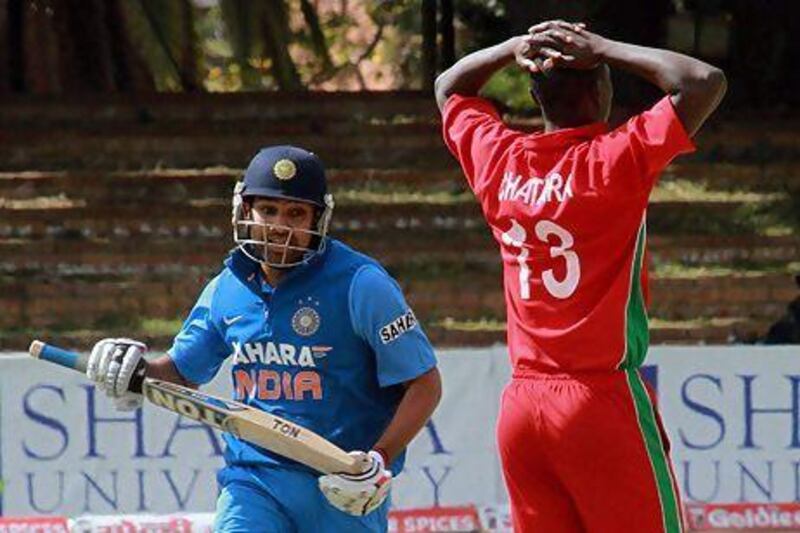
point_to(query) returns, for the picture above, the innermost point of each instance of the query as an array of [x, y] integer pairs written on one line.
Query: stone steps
[[202, 149], [182, 184], [121, 215], [424, 251], [114, 209], [40, 112], [175, 185], [345, 145], [734, 330], [41, 300]]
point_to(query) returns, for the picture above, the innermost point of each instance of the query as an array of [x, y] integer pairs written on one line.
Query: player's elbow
[[442, 89], [713, 83], [706, 85], [429, 386], [434, 387]]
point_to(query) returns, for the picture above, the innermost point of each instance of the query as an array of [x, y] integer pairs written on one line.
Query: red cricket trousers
[[586, 453]]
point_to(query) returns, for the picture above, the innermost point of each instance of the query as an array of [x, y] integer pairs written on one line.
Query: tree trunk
[[130, 73], [448, 34], [428, 44], [188, 60], [90, 63], [763, 60], [16, 47], [40, 48], [5, 53], [317, 36], [276, 43]]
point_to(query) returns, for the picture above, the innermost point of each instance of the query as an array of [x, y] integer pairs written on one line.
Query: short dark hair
[[560, 92]]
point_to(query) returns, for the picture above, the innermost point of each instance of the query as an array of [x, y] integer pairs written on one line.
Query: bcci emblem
[[284, 169], [305, 321]]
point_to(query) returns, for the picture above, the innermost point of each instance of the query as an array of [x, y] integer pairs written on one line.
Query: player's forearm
[[164, 369], [471, 72], [696, 87], [420, 400]]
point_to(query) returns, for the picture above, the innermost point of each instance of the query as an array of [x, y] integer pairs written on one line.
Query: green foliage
[[482, 324], [155, 28], [160, 326], [510, 86], [486, 20], [254, 45]]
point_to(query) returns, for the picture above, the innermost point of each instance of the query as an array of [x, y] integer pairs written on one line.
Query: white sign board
[[733, 414]]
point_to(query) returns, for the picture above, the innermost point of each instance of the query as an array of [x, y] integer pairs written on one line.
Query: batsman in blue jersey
[[319, 334]]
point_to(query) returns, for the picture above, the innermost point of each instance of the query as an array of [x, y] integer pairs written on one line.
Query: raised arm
[[471, 72], [695, 87]]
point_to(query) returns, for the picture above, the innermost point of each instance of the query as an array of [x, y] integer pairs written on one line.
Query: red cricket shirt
[[567, 209]]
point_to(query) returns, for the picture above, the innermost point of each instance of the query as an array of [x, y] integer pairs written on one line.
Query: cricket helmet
[[285, 173]]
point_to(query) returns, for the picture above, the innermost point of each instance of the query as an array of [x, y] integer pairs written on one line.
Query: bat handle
[[78, 362]]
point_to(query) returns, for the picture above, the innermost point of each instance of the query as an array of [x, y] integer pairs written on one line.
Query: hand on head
[[557, 43]]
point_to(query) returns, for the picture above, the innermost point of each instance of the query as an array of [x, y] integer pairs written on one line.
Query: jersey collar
[[248, 271], [565, 136]]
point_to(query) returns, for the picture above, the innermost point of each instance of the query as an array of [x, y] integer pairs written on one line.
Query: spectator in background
[[787, 329]]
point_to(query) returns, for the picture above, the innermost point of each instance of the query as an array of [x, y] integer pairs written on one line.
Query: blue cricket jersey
[[327, 348]]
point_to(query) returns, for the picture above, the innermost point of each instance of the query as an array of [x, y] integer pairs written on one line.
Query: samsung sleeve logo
[[397, 327]]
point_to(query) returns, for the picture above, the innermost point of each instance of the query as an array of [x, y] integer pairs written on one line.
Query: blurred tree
[[277, 36], [67, 46], [53, 46], [318, 40], [163, 31], [429, 49], [628, 20], [763, 60]]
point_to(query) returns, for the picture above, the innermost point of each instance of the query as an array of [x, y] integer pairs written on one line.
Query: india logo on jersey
[[305, 321]]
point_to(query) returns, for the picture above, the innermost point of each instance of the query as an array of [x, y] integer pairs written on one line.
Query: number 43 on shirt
[[517, 237]]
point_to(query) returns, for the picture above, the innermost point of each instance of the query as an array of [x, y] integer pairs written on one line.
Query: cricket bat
[[255, 426]]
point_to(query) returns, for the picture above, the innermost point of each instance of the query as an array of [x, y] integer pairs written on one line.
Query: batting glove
[[112, 365], [360, 494]]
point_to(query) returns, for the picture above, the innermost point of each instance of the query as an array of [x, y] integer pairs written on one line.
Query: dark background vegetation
[[132, 46]]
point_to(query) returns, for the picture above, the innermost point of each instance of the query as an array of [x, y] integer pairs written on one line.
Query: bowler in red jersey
[[580, 440]]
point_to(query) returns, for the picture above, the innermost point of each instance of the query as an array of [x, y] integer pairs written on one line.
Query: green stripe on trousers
[[646, 416]]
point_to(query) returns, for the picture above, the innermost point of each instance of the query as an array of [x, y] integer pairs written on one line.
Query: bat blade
[[255, 426]]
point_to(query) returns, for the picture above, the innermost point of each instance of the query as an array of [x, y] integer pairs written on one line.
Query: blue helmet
[[287, 173]]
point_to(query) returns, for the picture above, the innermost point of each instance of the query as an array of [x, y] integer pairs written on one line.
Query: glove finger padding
[[112, 365], [130, 362], [106, 358], [94, 359], [358, 494], [98, 362]]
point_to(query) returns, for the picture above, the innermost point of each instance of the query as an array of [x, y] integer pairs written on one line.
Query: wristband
[[384, 456]]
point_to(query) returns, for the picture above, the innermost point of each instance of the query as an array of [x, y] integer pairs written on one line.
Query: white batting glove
[[111, 366], [360, 494]]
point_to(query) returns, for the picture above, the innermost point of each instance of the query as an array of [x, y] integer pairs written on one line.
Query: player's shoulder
[[359, 268], [347, 257], [237, 270], [457, 103]]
